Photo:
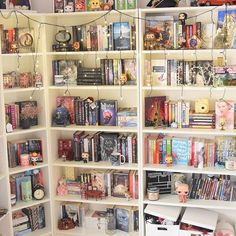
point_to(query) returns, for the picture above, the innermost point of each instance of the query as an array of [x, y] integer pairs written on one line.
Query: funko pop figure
[[95, 5], [85, 157], [123, 79], [182, 190]]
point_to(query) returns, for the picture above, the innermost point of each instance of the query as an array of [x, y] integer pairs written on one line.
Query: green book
[[131, 4]]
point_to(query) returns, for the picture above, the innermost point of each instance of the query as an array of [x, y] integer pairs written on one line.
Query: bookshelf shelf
[[105, 201], [4, 216], [125, 53], [95, 165], [189, 131], [96, 128], [172, 200], [21, 169], [87, 231], [99, 87], [187, 169], [21, 204], [22, 90], [33, 129], [31, 54], [41, 232]]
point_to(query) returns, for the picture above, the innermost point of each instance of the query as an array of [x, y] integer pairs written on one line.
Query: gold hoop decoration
[[26, 40]]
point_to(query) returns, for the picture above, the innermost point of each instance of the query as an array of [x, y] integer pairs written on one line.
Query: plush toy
[[224, 228], [182, 190]]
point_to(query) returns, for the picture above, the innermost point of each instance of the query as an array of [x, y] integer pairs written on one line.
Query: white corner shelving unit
[[134, 95]]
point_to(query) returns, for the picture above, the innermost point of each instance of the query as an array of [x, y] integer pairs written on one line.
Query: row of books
[[109, 182], [126, 217], [91, 5], [22, 185], [19, 111], [165, 32], [161, 112], [87, 111], [108, 73], [31, 147], [99, 146], [189, 73], [211, 188], [28, 220], [114, 36], [17, 40], [184, 151]]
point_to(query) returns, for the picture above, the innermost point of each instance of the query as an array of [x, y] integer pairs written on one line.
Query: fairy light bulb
[[30, 97]]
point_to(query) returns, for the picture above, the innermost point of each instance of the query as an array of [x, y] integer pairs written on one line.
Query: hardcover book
[[108, 112], [68, 68], [162, 27], [224, 115], [120, 184], [181, 151], [155, 111], [121, 36], [123, 218], [68, 102], [108, 145]]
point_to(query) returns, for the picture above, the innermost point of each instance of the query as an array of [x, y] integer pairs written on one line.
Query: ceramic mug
[[117, 159]]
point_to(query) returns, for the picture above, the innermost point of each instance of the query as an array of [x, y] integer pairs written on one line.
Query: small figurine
[[106, 6], [149, 41], [123, 79], [33, 158], [128, 196], [62, 189], [182, 34], [95, 5], [85, 157], [182, 190], [168, 160]]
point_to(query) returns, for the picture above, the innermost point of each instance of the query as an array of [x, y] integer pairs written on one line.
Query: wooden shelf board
[[99, 87], [33, 129], [187, 169], [97, 128], [89, 231], [172, 200], [190, 131], [21, 204], [94, 165], [20, 169], [104, 201], [30, 54]]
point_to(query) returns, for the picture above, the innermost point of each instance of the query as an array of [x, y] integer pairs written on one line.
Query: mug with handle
[[117, 159]]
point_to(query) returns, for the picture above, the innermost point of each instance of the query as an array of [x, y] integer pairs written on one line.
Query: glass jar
[[153, 194], [110, 227]]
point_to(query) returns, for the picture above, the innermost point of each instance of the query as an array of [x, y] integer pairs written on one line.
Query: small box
[[196, 217], [167, 213], [95, 220]]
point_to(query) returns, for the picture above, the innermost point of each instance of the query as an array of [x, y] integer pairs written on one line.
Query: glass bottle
[[110, 222]]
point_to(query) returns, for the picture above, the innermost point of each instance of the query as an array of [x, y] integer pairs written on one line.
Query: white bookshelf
[[131, 96]]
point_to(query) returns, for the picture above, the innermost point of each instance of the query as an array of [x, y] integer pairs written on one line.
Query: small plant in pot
[[28, 113]]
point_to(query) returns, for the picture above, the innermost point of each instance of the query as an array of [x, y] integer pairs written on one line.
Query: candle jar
[[153, 194], [24, 160]]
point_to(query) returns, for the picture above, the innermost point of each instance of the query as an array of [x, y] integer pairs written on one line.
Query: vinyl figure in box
[[85, 157], [182, 190], [168, 160], [95, 5], [123, 79]]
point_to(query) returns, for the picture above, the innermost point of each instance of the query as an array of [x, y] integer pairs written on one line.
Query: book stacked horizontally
[[199, 120]]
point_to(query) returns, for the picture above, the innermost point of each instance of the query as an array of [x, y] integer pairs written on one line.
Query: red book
[[68, 102], [187, 33]]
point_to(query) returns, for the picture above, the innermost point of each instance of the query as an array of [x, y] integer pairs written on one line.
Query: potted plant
[[27, 114]]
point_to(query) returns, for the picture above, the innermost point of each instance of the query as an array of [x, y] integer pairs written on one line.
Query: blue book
[[19, 180], [181, 151], [108, 112], [123, 219], [121, 36]]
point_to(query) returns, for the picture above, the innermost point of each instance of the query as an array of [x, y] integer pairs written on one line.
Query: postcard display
[[144, 117]]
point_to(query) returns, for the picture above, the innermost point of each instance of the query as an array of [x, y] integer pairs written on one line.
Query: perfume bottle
[[110, 227]]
